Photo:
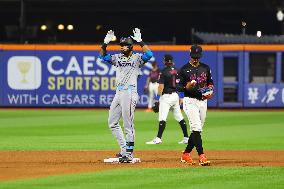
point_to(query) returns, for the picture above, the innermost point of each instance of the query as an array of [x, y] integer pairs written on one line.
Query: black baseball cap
[[195, 51], [168, 57]]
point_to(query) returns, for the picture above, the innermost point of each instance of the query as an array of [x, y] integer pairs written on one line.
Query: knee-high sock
[[183, 127], [129, 148], [190, 144], [162, 126], [198, 142]]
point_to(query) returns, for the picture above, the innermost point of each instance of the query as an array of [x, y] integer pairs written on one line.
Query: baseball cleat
[[118, 155], [203, 161], [156, 140], [126, 159], [184, 140], [186, 158]]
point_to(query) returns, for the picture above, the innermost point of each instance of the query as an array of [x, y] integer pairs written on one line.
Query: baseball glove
[[206, 92], [155, 108]]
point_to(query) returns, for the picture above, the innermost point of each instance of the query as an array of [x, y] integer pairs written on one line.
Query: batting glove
[[137, 35], [109, 36]]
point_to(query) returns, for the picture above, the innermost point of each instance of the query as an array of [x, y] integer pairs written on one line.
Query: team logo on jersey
[[125, 64], [24, 72], [200, 79]]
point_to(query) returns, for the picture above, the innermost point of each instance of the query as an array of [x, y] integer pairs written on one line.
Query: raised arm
[[103, 52], [147, 52]]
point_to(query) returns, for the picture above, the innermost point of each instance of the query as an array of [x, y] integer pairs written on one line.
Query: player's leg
[[191, 110], [178, 116], [203, 109], [128, 104], [151, 95], [113, 122], [164, 107], [156, 86]]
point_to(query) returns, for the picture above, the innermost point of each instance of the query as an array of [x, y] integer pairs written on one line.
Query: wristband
[[157, 97], [142, 44], [104, 46]]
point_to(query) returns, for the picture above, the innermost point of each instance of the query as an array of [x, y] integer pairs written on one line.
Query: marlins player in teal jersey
[[128, 65]]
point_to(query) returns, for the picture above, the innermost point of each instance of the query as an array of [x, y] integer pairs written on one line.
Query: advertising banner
[[264, 95], [71, 78]]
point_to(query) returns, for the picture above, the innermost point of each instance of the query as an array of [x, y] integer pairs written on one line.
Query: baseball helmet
[[126, 41], [195, 51]]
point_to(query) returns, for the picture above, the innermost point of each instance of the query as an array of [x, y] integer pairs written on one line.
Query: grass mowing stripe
[[87, 129], [203, 177]]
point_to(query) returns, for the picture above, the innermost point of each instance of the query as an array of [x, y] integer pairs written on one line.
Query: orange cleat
[[186, 158], [203, 160]]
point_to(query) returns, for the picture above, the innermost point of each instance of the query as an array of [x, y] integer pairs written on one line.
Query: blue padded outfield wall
[[32, 76]]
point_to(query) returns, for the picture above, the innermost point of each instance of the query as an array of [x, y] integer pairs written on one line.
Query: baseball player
[[169, 101], [128, 65], [152, 85], [196, 81]]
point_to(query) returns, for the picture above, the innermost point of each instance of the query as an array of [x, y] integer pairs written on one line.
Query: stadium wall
[[73, 76]]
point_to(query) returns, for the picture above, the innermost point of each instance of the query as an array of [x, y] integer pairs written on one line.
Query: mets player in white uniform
[[196, 82], [169, 100], [128, 65]]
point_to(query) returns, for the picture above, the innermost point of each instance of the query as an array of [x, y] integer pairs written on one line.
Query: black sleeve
[[180, 81], [161, 78]]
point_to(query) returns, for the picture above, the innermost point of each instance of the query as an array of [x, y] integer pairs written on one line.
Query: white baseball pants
[[167, 102], [153, 91], [195, 111]]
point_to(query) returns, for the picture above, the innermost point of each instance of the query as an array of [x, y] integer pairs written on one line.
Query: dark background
[[161, 21]]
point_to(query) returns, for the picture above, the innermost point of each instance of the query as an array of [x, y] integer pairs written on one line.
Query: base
[[116, 160]]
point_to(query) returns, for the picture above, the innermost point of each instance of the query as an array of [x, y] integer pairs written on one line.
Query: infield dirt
[[34, 164]]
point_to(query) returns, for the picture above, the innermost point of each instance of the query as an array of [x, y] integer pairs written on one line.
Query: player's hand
[[137, 35], [109, 36], [190, 84]]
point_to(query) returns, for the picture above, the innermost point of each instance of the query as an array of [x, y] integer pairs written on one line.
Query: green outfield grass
[[87, 130], [201, 178]]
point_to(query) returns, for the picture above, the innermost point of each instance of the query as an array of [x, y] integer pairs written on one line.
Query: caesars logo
[[72, 73], [24, 72]]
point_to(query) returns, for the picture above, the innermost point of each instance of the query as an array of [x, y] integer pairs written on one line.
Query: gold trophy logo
[[24, 68]]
